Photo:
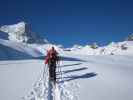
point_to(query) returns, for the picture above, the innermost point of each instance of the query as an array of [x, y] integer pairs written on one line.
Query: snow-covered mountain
[[114, 48], [21, 32], [20, 40], [17, 42]]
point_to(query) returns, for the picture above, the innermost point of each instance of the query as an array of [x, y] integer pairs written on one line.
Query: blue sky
[[70, 22]]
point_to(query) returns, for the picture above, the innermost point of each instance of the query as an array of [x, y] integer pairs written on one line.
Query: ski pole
[[45, 72], [57, 66], [60, 70]]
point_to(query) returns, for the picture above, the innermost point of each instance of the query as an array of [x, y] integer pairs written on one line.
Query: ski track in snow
[[57, 93], [45, 90]]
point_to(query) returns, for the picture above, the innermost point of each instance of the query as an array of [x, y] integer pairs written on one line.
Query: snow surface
[[105, 77]]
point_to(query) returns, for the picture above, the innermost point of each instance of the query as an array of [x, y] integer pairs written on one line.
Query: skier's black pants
[[52, 69]]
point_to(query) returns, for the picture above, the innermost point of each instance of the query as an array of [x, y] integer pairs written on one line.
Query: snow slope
[[3, 35], [14, 50]]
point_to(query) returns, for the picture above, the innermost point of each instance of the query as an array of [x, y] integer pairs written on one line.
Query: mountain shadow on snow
[[7, 53], [3, 35]]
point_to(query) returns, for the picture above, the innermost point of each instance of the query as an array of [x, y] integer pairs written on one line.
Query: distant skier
[[52, 59]]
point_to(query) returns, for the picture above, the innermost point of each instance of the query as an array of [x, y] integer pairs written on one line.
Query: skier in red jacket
[[52, 59]]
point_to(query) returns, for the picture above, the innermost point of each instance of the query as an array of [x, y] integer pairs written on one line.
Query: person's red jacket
[[49, 55]]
